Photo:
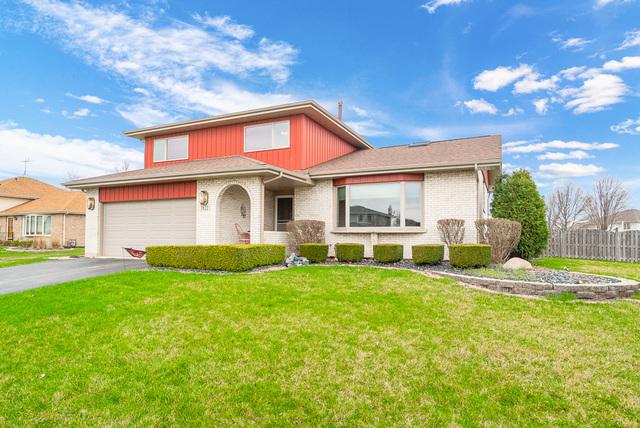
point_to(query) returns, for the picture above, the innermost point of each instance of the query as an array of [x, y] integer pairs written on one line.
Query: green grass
[[14, 258], [311, 346], [598, 267], [499, 273]]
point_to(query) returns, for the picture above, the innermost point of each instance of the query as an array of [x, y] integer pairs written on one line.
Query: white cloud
[[513, 111], [596, 93], [572, 73], [492, 80], [143, 114], [39, 100], [602, 3], [479, 106], [141, 91], [532, 83], [433, 5], [360, 112], [573, 43], [367, 127], [191, 67], [627, 63], [226, 26], [83, 112], [541, 105], [628, 126], [631, 39], [566, 170], [556, 156], [92, 99], [54, 156], [516, 143], [537, 147]]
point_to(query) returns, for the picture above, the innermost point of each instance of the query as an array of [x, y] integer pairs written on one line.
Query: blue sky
[[559, 80]]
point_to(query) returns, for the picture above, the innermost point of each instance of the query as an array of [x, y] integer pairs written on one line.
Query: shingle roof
[[24, 188], [60, 201], [45, 198], [191, 169], [466, 151], [629, 216]]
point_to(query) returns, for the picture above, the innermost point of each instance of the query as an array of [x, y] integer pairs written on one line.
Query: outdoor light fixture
[[91, 204], [204, 198], [243, 211]]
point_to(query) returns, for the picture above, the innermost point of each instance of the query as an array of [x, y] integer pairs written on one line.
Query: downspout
[[64, 228]]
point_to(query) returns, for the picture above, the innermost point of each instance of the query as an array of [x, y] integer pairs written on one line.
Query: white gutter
[[274, 178], [399, 170]]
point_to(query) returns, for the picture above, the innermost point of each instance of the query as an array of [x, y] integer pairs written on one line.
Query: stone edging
[[619, 290]]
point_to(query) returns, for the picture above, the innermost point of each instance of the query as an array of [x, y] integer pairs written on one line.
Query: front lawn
[[312, 346], [14, 258], [598, 267]]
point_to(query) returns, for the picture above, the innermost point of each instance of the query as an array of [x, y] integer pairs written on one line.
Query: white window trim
[[272, 124], [25, 221], [166, 148], [275, 210], [347, 228]]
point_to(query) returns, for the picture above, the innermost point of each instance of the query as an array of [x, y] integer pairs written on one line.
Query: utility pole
[[25, 162]]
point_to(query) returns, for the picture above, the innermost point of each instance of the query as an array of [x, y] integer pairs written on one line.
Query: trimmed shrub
[[427, 254], [516, 197], [23, 244], [232, 258], [315, 253], [469, 255], [346, 252], [305, 232], [387, 253]]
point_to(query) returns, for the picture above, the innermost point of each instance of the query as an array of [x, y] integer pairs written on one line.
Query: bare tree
[[123, 167], [605, 202], [566, 205]]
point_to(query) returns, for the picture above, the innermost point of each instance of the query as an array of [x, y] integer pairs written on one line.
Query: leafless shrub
[[305, 232], [39, 243], [451, 230], [503, 235]]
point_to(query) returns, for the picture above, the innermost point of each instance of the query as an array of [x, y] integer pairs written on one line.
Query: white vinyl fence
[[596, 245]]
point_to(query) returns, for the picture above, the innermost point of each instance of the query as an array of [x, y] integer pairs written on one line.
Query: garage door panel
[[145, 223]]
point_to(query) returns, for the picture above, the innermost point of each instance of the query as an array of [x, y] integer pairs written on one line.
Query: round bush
[[469, 255], [315, 253], [427, 254], [387, 253], [348, 252]]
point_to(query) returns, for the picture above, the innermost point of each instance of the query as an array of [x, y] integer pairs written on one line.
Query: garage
[[140, 224]]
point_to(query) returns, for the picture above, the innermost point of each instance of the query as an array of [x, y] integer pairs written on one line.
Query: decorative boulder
[[517, 263]]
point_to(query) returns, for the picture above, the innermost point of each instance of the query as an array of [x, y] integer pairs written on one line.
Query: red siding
[[147, 192], [310, 144], [382, 178]]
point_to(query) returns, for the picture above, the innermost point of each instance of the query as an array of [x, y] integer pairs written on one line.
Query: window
[[37, 225], [174, 148], [267, 136], [380, 205]]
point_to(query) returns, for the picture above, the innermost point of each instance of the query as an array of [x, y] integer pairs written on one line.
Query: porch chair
[[243, 237]]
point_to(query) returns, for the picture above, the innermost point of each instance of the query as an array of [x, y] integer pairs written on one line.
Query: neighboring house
[[31, 209], [625, 220], [262, 168]]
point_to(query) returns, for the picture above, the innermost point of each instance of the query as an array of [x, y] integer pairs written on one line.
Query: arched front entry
[[233, 207]]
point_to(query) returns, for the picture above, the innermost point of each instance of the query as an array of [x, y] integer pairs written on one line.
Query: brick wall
[[446, 195]]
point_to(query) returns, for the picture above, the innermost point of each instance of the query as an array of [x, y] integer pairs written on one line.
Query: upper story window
[[267, 136], [380, 205], [173, 148]]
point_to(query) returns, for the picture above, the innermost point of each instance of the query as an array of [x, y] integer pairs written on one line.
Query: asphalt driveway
[[26, 277]]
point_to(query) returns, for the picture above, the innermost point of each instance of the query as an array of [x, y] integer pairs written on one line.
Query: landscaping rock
[[516, 263], [294, 260]]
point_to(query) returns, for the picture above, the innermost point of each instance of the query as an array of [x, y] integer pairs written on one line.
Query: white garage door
[[145, 223]]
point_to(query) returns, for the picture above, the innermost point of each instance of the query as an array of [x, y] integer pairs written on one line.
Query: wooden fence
[[596, 245]]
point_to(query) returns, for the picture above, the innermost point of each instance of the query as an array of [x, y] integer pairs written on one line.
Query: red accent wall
[[310, 144], [381, 178], [147, 192]]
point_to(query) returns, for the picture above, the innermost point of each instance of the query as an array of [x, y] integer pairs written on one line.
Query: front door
[[284, 212], [9, 228]]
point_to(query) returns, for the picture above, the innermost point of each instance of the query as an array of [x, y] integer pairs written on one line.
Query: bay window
[[380, 205], [37, 225], [173, 148]]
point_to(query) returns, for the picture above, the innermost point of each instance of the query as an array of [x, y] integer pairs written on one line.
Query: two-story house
[[256, 170]]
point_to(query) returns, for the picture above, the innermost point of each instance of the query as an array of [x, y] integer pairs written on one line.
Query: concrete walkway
[[26, 277]]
